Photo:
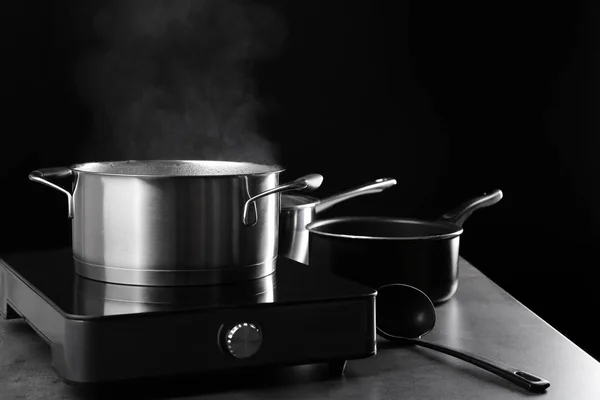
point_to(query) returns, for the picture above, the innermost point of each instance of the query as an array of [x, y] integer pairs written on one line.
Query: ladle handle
[[460, 214], [372, 187], [519, 377]]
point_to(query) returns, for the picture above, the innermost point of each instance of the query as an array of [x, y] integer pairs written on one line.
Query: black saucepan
[[377, 251]]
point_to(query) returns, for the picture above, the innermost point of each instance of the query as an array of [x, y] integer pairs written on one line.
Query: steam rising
[[173, 79]]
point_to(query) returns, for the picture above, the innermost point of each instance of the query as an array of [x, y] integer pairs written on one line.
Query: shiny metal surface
[[298, 210], [293, 236], [171, 168], [185, 230], [42, 176], [176, 276], [102, 298], [307, 183], [155, 229], [377, 186]]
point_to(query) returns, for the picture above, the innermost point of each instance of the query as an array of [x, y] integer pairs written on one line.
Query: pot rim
[[456, 230], [256, 169]]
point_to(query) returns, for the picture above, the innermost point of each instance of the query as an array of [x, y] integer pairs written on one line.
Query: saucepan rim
[[450, 230]]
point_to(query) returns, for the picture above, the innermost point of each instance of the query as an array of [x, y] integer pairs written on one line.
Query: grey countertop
[[481, 318]]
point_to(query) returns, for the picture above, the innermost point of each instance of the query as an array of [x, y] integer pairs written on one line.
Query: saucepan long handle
[[306, 183], [460, 214], [372, 187], [44, 176]]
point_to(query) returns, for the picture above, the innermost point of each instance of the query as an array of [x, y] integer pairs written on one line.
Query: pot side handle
[[41, 176], [307, 183], [459, 215]]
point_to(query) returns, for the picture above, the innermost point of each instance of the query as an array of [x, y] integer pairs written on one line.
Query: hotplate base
[[102, 332]]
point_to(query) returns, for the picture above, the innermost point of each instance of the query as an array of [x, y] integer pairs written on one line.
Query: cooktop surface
[[50, 273]]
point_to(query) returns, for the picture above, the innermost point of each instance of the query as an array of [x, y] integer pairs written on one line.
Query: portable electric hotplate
[[101, 332]]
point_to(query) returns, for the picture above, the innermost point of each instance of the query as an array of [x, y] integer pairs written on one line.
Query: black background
[[451, 99]]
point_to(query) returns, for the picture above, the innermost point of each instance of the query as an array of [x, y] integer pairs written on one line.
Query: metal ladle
[[405, 314]]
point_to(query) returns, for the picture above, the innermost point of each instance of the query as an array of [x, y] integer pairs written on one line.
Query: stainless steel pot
[[298, 210], [173, 222]]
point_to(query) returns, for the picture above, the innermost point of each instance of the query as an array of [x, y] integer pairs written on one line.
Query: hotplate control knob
[[243, 340]]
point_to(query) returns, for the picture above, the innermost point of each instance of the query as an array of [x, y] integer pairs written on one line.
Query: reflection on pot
[[97, 298]]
